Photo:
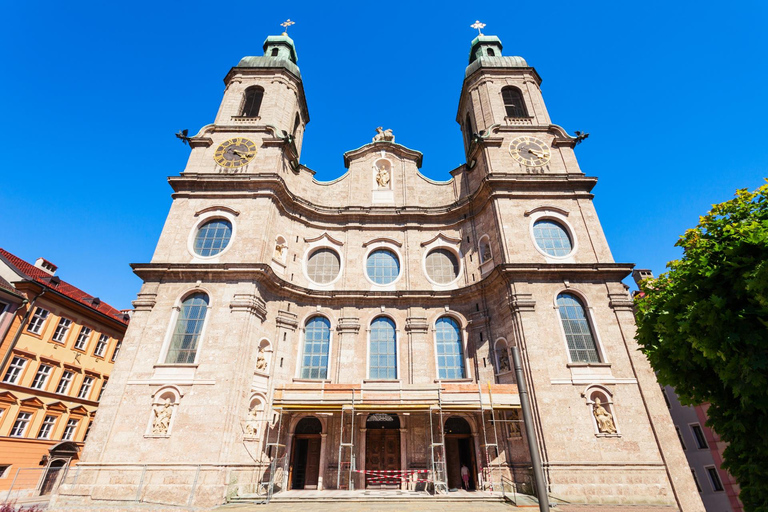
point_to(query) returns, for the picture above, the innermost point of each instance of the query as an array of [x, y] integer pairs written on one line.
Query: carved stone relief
[[162, 418], [604, 419]]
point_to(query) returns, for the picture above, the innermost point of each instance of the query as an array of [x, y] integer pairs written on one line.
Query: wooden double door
[[382, 452], [305, 462]]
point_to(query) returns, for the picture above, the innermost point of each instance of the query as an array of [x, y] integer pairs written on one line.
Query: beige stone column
[[361, 459], [348, 365], [403, 455], [323, 460], [416, 327]]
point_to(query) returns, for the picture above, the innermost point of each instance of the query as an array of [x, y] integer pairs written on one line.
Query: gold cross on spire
[[287, 23], [479, 26]]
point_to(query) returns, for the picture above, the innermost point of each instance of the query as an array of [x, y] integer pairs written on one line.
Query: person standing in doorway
[[465, 476]]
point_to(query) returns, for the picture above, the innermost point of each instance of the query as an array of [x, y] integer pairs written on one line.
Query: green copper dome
[[485, 52], [279, 52]]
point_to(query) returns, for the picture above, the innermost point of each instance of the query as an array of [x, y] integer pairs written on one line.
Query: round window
[[552, 238], [213, 237], [442, 266], [382, 266], [323, 266]]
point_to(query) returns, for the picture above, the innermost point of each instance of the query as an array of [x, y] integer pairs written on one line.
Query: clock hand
[[537, 153], [243, 155]]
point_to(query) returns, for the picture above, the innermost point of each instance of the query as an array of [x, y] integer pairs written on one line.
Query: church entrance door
[[459, 452], [305, 455], [382, 450]]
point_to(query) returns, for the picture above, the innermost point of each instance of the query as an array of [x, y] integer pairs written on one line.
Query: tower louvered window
[[252, 105], [513, 102]]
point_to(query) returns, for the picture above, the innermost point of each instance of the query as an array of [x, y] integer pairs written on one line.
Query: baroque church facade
[[360, 333]]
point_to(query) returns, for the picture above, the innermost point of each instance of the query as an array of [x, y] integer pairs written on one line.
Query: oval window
[[323, 266], [552, 238], [382, 266], [442, 266], [213, 237]]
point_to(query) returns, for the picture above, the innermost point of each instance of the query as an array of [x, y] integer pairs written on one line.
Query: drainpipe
[[16, 336], [538, 473]]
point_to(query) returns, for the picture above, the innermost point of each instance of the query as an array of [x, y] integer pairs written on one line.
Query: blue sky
[[672, 94]]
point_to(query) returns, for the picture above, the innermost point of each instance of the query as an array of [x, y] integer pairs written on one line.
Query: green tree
[[704, 327]]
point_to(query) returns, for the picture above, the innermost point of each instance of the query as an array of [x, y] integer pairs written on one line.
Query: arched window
[[578, 332], [253, 97], [491, 53], [552, 238], [296, 124], [274, 52], [317, 338], [213, 237], [383, 358], [189, 326], [468, 130], [450, 350], [513, 102]]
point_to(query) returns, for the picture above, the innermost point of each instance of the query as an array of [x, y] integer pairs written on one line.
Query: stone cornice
[[263, 273], [287, 320], [249, 303], [494, 186], [348, 325]]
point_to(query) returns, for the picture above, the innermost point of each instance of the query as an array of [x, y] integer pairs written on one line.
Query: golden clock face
[[235, 152], [530, 151]]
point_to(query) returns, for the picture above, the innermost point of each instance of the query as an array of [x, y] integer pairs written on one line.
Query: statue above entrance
[[383, 135]]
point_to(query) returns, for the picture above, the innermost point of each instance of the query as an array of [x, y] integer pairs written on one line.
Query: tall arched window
[[468, 130], [383, 358], [513, 102], [253, 97], [578, 332], [450, 349], [317, 338], [189, 326], [296, 123]]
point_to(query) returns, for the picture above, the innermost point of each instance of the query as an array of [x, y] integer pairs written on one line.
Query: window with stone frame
[[13, 373], [552, 238], [64, 382], [514, 105], [69, 430], [382, 266], [698, 435], [442, 266], [383, 349], [323, 265], [21, 423], [578, 332], [252, 104], [101, 391], [189, 328], [714, 479], [82, 338], [85, 388], [450, 349], [213, 237], [317, 340], [47, 427], [118, 346], [41, 377], [101, 345], [37, 321], [60, 334], [87, 430]]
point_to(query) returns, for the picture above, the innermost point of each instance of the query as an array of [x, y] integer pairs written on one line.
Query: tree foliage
[[704, 327]]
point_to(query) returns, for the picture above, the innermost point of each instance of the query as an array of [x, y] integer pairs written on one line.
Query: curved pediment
[[386, 147]]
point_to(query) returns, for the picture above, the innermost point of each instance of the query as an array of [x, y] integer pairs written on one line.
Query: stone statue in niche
[[383, 135], [252, 423], [279, 251], [604, 418], [382, 177], [486, 252], [162, 421], [261, 361], [504, 361]]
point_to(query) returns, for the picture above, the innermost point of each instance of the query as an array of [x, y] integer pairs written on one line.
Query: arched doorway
[[59, 457], [305, 456], [459, 452], [382, 448]]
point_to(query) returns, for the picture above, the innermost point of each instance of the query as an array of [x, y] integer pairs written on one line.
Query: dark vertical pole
[[538, 473]]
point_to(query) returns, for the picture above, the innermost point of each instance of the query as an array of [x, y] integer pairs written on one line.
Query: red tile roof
[[63, 287]]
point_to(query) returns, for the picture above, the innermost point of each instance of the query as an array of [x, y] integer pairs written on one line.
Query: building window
[[189, 326], [101, 391], [513, 102], [323, 266], [117, 349], [64, 382], [41, 377], [253, 97], [22, 420], [60, 335], [85, 388], [714, 479], [382, 266], [69, 430], [696, 480], [46, 427], [274, 52], [468, 131], [87, 430], [450, 349], [698, 435], [213, 237], [14, 370], [4, 470], [101, 345], [552, 238], [680, 437], [82, 338], [38, 319], [383, 353], [578, 333], [490, 52], [442, 266], [317, 339]]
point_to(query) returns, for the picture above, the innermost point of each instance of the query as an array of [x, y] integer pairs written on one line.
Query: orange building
[[57, 349]]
